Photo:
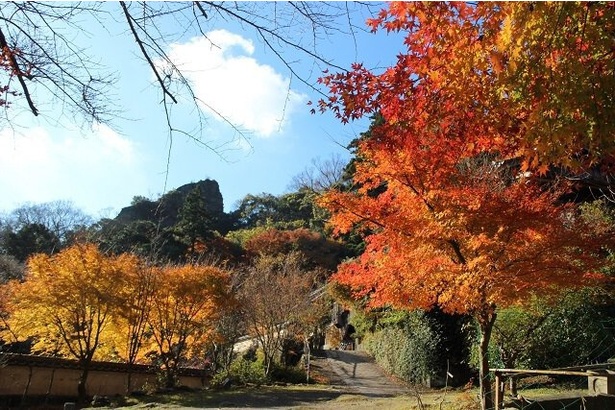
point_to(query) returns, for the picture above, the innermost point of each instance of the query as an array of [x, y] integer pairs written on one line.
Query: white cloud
[[236, 86], [95, 170]]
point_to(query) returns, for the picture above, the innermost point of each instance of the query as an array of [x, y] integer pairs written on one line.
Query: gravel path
[[350, 373], [355, 372]]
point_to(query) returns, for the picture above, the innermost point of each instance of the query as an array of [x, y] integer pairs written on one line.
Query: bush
[[250, 369], [288, 374], [242, 371], [577, 330], [407, 347]]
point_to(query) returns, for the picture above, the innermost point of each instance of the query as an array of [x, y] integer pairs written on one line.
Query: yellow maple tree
[[66, 302], [128, 330], [184, 306]]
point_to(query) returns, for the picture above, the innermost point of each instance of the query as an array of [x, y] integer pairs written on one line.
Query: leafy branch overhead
[[522, 79]]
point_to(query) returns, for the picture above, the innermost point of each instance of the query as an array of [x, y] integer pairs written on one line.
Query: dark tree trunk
[[129, 379], [49, 386], [81, 386], [486, 327], [170, 372]]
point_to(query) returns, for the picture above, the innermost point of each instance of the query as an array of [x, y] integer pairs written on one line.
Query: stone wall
[[59, 377]]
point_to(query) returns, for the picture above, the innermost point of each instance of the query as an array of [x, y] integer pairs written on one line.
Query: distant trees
[[321, 176], [45, 227], [180, 225], [287, 211], [62, 218], [188, 223], [30, 239], [317, 251]]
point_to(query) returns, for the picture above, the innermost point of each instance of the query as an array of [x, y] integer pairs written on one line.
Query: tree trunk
[[129, 379], [307, 349], [81, 386], [268, 360], [170, 376], [513, 386], [486, 326], [510, 362], [170, 383]]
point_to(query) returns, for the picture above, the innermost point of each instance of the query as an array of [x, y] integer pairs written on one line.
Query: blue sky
[[100, 168]]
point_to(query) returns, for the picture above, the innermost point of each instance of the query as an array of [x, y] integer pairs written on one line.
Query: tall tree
[[473, 113], [135, 293], [66, 302], [185, 304], [195, 221], [534, 80], [275, 297]]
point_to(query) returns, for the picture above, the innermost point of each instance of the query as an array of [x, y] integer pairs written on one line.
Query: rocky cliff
[[166, 209]]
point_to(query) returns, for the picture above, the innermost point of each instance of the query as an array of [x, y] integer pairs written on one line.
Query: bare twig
[[144, 52]]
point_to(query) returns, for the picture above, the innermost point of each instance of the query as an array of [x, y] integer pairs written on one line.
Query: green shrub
[[242, 371], [577, 330], [288, 374], [407, 347], [250, 368], [246, 371]]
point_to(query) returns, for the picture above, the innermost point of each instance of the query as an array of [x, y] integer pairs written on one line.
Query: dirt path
[[355, 372], [355, 382]]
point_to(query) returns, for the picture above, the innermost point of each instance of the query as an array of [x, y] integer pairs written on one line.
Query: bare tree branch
[[130, 20], [18, 73], [46, 40]]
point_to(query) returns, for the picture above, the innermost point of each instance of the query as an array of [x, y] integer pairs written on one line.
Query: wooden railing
[[589, 371]]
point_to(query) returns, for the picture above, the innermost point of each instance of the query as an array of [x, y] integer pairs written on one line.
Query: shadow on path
[[279, 398], [356, 372]]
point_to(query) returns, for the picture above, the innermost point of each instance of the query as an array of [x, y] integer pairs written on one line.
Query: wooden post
[[307, 351], [498, 391]]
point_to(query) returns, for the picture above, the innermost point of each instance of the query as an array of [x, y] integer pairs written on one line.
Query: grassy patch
[[304, 397]]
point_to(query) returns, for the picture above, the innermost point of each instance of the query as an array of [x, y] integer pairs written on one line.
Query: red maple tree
[[473, 114]]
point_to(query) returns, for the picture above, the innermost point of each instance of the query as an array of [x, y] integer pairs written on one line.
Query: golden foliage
[[67, 299]]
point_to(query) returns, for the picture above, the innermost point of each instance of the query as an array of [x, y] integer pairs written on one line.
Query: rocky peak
[[166, 209]]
